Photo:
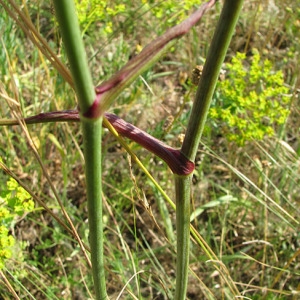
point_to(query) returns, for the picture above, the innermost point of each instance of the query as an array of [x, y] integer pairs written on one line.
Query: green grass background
[[245, 198]]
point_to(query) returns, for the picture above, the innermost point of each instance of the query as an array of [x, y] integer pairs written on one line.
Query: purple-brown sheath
[[176, 161]]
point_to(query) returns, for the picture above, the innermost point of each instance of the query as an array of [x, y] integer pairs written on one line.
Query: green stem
[[208, 81], [183, 192], [70, 30], [207, 84], [92, 130]]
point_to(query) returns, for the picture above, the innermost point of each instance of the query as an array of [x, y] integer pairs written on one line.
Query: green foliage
[[172, 12], [104, 12], [14, 202], [90, 11], [250, 101]]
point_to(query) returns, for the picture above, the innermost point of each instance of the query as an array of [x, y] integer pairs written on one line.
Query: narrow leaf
[[110, 89]]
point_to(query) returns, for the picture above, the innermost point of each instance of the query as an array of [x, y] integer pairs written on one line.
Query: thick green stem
[[91, 132], [70, 30], [92, 129], [183, 192], [207, 84]]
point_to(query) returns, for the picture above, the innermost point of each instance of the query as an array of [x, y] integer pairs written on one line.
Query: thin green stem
[[208, 81], [92, 130], [207, 84]]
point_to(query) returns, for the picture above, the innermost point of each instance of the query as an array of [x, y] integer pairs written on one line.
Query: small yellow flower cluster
[[14, 202], [251, 100]]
